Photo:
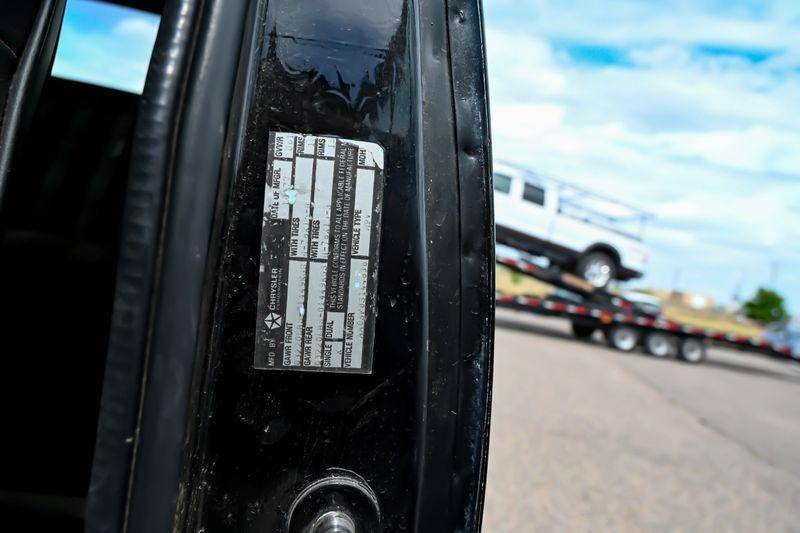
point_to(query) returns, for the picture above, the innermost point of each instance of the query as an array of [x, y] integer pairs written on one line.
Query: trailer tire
[[657, 344], [623, 338], [691, 350], [598, 268], [582, 332]]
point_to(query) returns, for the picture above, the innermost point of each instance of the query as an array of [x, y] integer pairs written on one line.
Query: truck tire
[[691, 350], [623, 338], [598, 268], [582, 331], [657, 344]]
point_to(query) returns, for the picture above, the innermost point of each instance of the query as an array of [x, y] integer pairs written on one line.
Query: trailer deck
[[624, 325]]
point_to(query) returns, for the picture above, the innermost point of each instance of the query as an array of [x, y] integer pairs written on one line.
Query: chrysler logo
[[273, 321]]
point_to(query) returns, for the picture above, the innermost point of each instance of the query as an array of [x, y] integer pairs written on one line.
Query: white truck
[[592, 236]]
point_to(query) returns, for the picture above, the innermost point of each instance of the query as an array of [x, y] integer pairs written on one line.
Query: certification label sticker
[[319, 254]]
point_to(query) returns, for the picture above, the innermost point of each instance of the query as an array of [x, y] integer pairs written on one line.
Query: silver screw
[[333, 522]]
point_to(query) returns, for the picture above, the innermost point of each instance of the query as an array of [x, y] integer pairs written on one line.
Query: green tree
[[766, 306]]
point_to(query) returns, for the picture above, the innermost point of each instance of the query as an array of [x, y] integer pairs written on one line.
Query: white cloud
[[137, 28], [755, 149], [627, 22]]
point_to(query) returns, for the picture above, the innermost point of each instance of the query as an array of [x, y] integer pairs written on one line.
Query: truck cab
[[588, 234]]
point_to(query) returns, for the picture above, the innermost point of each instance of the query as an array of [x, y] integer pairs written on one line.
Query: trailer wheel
[[622, 338], [691, 350], [657, 344], [582, 332]]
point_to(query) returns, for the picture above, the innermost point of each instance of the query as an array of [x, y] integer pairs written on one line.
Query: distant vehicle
[[786, 334], [594, 237], [647, 303]]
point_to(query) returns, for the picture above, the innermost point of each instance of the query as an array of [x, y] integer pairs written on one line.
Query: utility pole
[[773, 273], [737, 288], [676, 276]]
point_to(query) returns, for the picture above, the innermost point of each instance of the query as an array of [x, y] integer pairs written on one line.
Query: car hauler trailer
[[624, 325]]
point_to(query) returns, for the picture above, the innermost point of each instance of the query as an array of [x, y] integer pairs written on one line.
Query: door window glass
[[534, 194], [105, 44], [502, 183]]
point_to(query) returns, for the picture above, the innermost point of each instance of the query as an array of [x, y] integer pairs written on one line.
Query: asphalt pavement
[[585, 438]]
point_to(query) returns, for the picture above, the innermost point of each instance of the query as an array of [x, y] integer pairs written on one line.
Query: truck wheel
[[691, 350], [657, 344], [622, 338], [598, 268], [582, 332]]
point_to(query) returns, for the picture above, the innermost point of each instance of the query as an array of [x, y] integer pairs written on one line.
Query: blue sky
[[105, 44], [690, 109]]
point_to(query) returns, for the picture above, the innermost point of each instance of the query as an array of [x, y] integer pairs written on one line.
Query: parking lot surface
[[588, 439]]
